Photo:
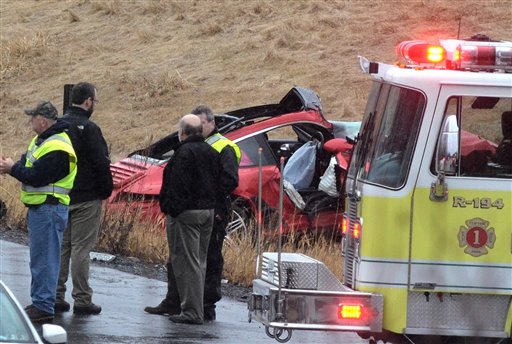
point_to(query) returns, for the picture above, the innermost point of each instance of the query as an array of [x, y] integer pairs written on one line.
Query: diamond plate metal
[[298, 271], [457, 311]]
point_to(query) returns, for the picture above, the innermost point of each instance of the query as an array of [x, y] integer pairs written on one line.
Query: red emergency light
[[477, 56], [350, 311], [420, 52], [458, 54]]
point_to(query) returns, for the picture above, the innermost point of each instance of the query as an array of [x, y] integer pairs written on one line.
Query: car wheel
[[241, 220]]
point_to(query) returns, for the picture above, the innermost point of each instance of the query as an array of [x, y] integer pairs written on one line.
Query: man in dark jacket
[[93, 184], [188, 198], [46, 172], [229, 158]]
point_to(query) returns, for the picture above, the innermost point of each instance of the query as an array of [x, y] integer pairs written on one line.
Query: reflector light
[[344, 225], [357, 230], [350, 311]]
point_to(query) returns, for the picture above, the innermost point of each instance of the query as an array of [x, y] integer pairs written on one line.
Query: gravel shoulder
[[130, 265]]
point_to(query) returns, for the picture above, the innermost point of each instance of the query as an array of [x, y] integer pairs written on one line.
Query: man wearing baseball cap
[[47, 171]]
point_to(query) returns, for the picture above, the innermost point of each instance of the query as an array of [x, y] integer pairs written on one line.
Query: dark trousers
[[188, 235], [214, 264]]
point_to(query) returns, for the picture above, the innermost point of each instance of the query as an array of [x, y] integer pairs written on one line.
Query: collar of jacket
[[74, 110], [194, 138], [56, 128]]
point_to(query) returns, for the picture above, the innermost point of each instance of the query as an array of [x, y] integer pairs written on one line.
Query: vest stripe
[[47, 188]]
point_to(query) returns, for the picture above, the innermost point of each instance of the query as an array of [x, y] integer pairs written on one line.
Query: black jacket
[[228, 179], [190, 178], [93, 180], [50, 168]]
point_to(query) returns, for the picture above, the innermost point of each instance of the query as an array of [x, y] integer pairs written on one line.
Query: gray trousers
[[78, 241], [188, 236]]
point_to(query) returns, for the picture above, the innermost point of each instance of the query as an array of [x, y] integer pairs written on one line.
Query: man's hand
[[6, 165]]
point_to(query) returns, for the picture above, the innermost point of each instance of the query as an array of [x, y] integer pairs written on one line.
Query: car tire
[[241, 219]]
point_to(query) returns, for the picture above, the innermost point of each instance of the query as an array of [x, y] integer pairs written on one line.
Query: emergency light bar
[[458, 54]]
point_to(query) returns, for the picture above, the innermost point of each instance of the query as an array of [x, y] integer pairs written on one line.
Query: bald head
[[190, 125]]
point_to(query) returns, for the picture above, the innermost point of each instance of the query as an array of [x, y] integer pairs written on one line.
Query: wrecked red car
[[315, 153]]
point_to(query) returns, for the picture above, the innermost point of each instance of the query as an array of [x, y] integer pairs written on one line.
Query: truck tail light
[[350, 311]]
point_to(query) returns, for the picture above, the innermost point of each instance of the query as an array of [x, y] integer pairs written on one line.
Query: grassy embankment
[[155, 60]]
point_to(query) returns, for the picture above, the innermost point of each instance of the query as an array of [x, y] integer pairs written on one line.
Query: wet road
[[123, 297]]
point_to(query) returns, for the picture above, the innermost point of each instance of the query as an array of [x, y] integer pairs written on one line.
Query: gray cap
[[45, 109]]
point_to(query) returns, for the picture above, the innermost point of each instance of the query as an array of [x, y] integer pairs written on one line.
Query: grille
[[124, 171], [350, 250]]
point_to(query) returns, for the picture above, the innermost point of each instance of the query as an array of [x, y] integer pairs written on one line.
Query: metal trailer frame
[[296, 292]]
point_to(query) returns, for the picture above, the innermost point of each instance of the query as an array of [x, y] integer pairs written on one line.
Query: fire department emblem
[[476, 236]]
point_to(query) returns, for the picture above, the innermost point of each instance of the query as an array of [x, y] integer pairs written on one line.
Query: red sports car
[[315, 153]]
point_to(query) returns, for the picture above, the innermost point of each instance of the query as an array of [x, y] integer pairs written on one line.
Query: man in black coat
[[229, 158], [93, 184], [188, 198]]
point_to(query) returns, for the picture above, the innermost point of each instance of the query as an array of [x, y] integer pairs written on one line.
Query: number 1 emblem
[[476, 237]]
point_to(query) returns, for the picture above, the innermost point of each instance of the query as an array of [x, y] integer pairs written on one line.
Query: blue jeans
[[46, 225]]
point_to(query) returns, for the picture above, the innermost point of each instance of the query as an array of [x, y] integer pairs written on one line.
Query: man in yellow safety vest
[[47, 172]]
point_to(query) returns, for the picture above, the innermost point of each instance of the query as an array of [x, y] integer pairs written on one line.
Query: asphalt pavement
[[123, 297]]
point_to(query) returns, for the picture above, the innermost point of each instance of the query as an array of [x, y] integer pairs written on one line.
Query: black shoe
[[61, 306], [37, 315], [163, 308], [209, 314], [184, 320], [88, 309]]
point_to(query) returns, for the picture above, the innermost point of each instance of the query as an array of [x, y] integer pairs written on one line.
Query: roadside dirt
[[130, 265]]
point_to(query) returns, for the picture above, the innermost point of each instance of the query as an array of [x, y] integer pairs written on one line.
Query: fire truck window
[[484, 129], [395, 137], [484, 133]]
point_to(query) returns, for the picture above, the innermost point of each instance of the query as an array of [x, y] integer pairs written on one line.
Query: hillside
[[153, 61]]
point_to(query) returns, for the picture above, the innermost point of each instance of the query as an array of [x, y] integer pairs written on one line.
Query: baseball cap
[[43, 108]]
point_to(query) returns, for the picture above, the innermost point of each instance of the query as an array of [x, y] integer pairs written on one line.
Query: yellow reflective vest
[[218, 142], [31, 195]]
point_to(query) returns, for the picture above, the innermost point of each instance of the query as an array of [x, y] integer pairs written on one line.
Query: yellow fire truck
[[427, 230]]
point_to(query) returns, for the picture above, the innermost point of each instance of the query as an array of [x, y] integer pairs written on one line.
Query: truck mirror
[[448, 147]]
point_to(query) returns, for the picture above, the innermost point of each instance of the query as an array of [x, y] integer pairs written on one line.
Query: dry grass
[[10, 190], [240, 253]]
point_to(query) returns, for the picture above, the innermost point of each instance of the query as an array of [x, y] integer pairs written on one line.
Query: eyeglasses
[[96, 101]]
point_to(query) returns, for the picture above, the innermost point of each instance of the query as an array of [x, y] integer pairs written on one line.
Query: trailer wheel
[[267, 332], [279, 332]]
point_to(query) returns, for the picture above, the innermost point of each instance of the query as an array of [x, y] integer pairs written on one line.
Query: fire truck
[[427, 225]]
